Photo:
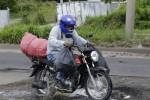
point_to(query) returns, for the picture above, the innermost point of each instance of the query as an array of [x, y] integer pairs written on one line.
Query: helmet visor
[[69, 27]]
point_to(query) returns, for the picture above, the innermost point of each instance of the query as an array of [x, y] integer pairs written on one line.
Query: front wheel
[[102, 88]]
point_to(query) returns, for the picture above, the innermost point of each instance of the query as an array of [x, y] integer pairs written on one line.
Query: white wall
[[80, 10], [93, 0], [4, 18]]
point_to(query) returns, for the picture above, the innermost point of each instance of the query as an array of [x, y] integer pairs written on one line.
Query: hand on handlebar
[[66, 44]]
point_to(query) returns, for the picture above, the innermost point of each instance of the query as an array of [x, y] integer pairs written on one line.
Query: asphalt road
[[14, 66], [10, 60], [118, 66]]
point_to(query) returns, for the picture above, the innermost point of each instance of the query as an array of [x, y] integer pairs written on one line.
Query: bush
[[33, 12], [113, 20], [117, 18], [110, 29], [102, 35], [7, 3], [13, 34], [40, 19]]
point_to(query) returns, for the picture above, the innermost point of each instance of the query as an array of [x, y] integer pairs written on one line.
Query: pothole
[[126, 93]]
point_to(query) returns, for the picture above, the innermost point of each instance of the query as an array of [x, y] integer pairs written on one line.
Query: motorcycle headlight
[[94, 56]]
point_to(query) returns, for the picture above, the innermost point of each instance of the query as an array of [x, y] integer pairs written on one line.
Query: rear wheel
[[49, 90], [102, 88]]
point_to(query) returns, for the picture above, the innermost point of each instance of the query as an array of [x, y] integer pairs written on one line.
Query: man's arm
[[78, 39], [52, 40]]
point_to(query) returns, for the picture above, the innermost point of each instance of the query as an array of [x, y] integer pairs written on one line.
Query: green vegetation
[[35, 12], [13, 34], [7, 3], [35, 17], [110, 29]]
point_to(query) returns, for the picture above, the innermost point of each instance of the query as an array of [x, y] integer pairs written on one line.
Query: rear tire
[[108, 90], [49, 91]]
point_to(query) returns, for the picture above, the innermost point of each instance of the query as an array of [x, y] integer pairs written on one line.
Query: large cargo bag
[[26, 41], [33, 46], [38, 48]]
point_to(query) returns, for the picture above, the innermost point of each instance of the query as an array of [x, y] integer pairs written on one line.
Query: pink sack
[[26, 41], [33, 46], [38, 48]]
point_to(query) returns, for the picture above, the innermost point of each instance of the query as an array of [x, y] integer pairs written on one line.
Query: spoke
[[101, 87]]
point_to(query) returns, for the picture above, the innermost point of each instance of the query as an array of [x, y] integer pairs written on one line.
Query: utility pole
[[130, 17]]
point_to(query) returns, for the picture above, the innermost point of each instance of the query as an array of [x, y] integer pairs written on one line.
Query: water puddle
[[126, 93], [119, 93], [14, 95]]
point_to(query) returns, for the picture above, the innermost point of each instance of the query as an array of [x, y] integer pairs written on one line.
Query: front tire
[[103, 88]]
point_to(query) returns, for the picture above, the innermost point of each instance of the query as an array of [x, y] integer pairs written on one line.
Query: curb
[[15, 48], [129, 50], [9, 46]]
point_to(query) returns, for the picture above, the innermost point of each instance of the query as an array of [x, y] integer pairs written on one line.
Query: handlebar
[[80, 49], [84, 46]]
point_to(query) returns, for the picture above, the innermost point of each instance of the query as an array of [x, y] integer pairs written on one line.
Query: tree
[[7, 3]]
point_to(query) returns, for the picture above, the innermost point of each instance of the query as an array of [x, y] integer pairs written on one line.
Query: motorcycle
[[90, 72]]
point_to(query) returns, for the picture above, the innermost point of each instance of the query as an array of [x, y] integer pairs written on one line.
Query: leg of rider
[[51, 58], [59, 74]]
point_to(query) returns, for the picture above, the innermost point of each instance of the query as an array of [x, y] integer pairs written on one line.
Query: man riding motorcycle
[[61, 36]]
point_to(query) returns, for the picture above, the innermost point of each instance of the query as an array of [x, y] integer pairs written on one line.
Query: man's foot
[[63, 86]]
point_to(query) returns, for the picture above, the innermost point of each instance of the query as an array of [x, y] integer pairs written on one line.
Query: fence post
[[4, 18]]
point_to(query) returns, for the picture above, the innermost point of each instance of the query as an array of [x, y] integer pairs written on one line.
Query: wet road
[[125, 88], [118, 66], [10, 60]]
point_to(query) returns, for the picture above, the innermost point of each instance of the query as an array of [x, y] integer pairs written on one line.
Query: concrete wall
[[4, 18]]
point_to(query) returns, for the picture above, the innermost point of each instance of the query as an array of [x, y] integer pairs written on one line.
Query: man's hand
[[68, 42]]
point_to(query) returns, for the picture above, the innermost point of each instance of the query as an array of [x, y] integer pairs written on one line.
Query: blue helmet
[[67, 25]]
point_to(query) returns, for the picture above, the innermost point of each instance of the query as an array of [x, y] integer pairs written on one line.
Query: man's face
[[71, 28]]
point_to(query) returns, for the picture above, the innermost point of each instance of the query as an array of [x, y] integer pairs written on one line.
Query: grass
[[116, 37], [33, 12], [109, 30], [47, 10], [13, 34]]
